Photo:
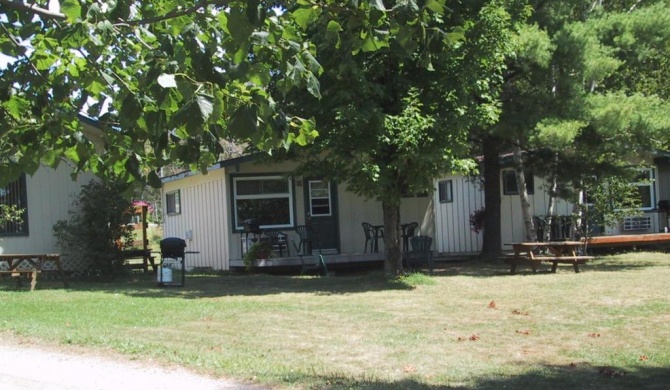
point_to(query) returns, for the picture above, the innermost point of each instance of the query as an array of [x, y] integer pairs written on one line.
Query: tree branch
[[173, 14], [16, 43], [632, 8], [32, 8]]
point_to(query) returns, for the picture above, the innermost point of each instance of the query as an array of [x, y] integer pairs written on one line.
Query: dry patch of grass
[[472, 326]]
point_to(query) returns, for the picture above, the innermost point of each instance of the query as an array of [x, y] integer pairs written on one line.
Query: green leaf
[[44, 61], [71, 9], [153, 180], [313, 86], [206, 106], [108, 79], [305, 16], [243, 122], [167, 81], [16, 107], [377, 4], [218, 104], [435, 6], [51, 158], [239, 26], [76, 154]]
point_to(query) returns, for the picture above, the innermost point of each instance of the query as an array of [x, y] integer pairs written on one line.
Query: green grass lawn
[[470, 326]]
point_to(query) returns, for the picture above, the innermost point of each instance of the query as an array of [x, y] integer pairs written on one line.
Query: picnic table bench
[[555, 252], [31, 265]]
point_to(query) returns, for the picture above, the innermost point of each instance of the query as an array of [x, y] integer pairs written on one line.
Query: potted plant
[[259, 250]]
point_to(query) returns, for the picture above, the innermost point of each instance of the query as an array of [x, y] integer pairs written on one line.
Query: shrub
[[259, 250], [97, 231]]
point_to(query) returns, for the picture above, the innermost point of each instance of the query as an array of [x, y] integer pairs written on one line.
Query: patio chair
[[308, 237], [421, 252], [372, 235], [320, 264], [278, 240], [408, 232]]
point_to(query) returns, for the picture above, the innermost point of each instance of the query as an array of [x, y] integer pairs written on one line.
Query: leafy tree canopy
[[167, 79], [587, 86]]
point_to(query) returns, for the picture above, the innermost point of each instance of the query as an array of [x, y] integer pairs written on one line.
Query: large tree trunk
[[492, 242], [392, 249], [526, 210]]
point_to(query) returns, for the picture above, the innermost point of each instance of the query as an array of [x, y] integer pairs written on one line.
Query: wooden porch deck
[[661, 239], [339, 260]]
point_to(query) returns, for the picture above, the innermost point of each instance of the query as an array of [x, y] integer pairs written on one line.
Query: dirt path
[[27, 366]]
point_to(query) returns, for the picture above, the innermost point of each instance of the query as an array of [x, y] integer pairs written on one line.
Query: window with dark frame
[[319, 198], [445, 191], [510, 186], [15, 195], [644, 181], [266, 199], [173, 203]]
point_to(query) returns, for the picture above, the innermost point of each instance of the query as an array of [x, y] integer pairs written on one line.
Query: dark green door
[[321, 213]]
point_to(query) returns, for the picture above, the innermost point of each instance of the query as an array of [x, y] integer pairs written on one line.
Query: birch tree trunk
[[526, 210], [577, 216], [551, 207]]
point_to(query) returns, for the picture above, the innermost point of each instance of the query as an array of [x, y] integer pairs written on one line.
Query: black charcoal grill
[[172, 271]]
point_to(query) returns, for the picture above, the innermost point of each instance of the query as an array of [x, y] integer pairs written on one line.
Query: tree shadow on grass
[[227, 284], [546, 377], [202, 285]]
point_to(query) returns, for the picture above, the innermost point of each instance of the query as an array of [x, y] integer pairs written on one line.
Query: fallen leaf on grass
[[643, 358], [519, 312], [474, 337], [492, 305], [610, 372], [594, 335], [525, 331], [409, 368]]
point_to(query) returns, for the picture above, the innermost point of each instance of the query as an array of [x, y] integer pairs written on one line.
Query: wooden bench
[[31, 264], [514, 260], [16, 273]]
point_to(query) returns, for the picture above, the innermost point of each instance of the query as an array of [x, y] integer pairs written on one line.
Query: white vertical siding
[[452, 220], [204, 212], [50, 193], [354, 210], [511, 217]]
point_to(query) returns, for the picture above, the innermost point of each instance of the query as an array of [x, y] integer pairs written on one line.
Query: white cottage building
[[46, 197], [208, 211]]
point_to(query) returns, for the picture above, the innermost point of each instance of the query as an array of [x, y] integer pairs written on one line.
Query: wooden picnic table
[[555, 252], [30, 264]]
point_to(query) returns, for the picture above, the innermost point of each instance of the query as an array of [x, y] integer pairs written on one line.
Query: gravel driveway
[[25, 366]]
